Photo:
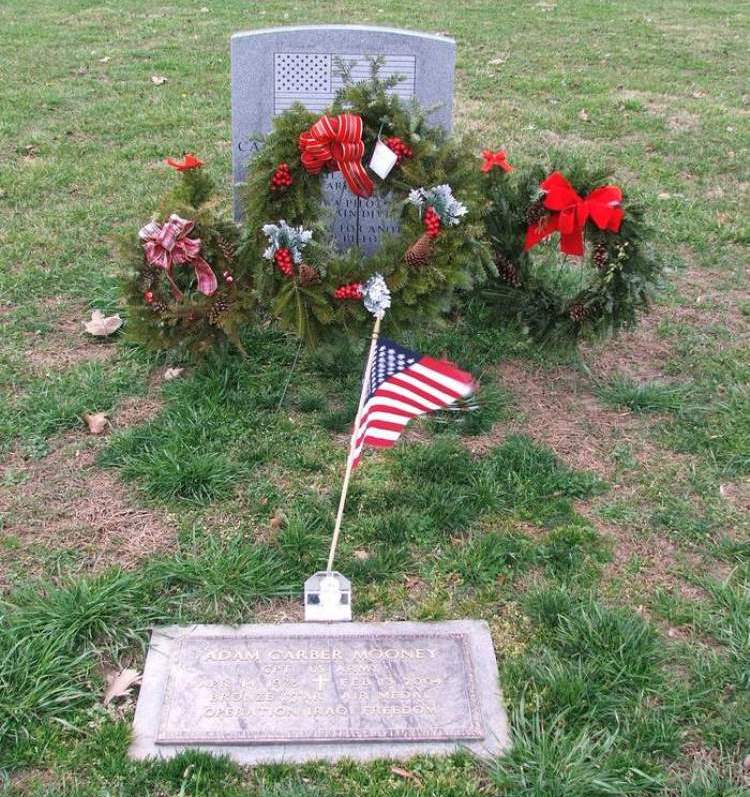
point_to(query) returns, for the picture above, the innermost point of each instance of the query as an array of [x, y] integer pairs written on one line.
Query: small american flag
[[402, 385]]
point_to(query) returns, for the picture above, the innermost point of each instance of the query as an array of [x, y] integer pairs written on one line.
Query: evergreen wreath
[[435, 192], [184, 285], [592, 282]]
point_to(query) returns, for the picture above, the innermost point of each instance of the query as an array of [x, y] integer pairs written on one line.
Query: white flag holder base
[[328, 598]]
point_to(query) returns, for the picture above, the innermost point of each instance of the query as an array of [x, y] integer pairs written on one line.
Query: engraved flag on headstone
[[315, 78]]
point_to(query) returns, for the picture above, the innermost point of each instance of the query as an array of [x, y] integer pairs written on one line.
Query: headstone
[[305, 691], [272, 69]]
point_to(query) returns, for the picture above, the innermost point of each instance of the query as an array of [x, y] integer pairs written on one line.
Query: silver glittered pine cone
[[420, 252]]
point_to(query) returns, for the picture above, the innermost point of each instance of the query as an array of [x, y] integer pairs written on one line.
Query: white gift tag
[[383, 160]]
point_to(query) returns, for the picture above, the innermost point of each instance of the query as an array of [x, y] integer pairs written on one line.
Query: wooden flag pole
[[352, 442]]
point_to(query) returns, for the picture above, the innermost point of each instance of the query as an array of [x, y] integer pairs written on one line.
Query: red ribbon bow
[[492, 159], [167, 246], [336, 142], [571, 212]]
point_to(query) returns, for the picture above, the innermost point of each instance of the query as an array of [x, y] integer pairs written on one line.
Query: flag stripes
[[403, 385]]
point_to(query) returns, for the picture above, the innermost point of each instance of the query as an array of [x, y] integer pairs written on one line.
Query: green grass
[[475, 518]]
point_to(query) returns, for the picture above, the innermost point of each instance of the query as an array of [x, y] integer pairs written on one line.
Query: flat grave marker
[[298, 692], [272, 69]]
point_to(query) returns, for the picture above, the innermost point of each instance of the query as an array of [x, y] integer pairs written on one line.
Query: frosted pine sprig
[[440, 198], [282, 236]]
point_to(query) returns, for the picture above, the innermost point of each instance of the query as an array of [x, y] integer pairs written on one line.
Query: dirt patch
[[559, 411], [64, 504], [136, 410], [65, 343], [641, 354]]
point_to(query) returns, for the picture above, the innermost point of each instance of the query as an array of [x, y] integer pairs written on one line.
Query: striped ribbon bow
[[336, 142], [168, 245]]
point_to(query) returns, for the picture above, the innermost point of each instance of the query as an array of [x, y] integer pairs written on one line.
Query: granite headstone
[[299, 692], [272, 69]]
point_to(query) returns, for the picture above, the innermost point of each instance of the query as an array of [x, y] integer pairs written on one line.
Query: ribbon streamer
[[570, 212], [168, 245], [335, 142]]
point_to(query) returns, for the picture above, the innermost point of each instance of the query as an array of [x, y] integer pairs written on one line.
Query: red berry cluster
[[228, 278], [402, 150], [351, 291], [285, 262], [282, 178], [148, 297], [431, 222]]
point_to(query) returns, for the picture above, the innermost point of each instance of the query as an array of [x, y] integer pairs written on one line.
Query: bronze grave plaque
[[234, 690], [306, 691]]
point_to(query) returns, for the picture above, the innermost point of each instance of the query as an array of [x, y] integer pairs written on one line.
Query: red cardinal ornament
[[187, 163]]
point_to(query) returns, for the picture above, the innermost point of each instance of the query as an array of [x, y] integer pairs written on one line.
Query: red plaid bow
[[571, 212], [167, 246], [492, 159], [336, 142]]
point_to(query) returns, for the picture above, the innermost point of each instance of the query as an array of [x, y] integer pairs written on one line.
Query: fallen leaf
[[698, 95], [405, 773], [362, 555], [672, 633], [583, 115], [105, 60], [172, 373], [664, 195], [120, 683], [96, 421], [501, 59], [158, 80], [277, 521], [101, 325]]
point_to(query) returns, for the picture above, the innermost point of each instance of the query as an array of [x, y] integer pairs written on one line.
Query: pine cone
[[308, 275], [158, 307], [217, 308], [536, 212], [601, 256], [579, 312], [507, 271], [227, 249], [419, 253]]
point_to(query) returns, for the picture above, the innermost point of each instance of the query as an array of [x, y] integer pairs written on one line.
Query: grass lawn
[[594, 511]]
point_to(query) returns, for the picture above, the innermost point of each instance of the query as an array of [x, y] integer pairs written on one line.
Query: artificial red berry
[[400, 148], [431, 222], [285, 262], [351, 291], [282, 177], [149, 297]]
